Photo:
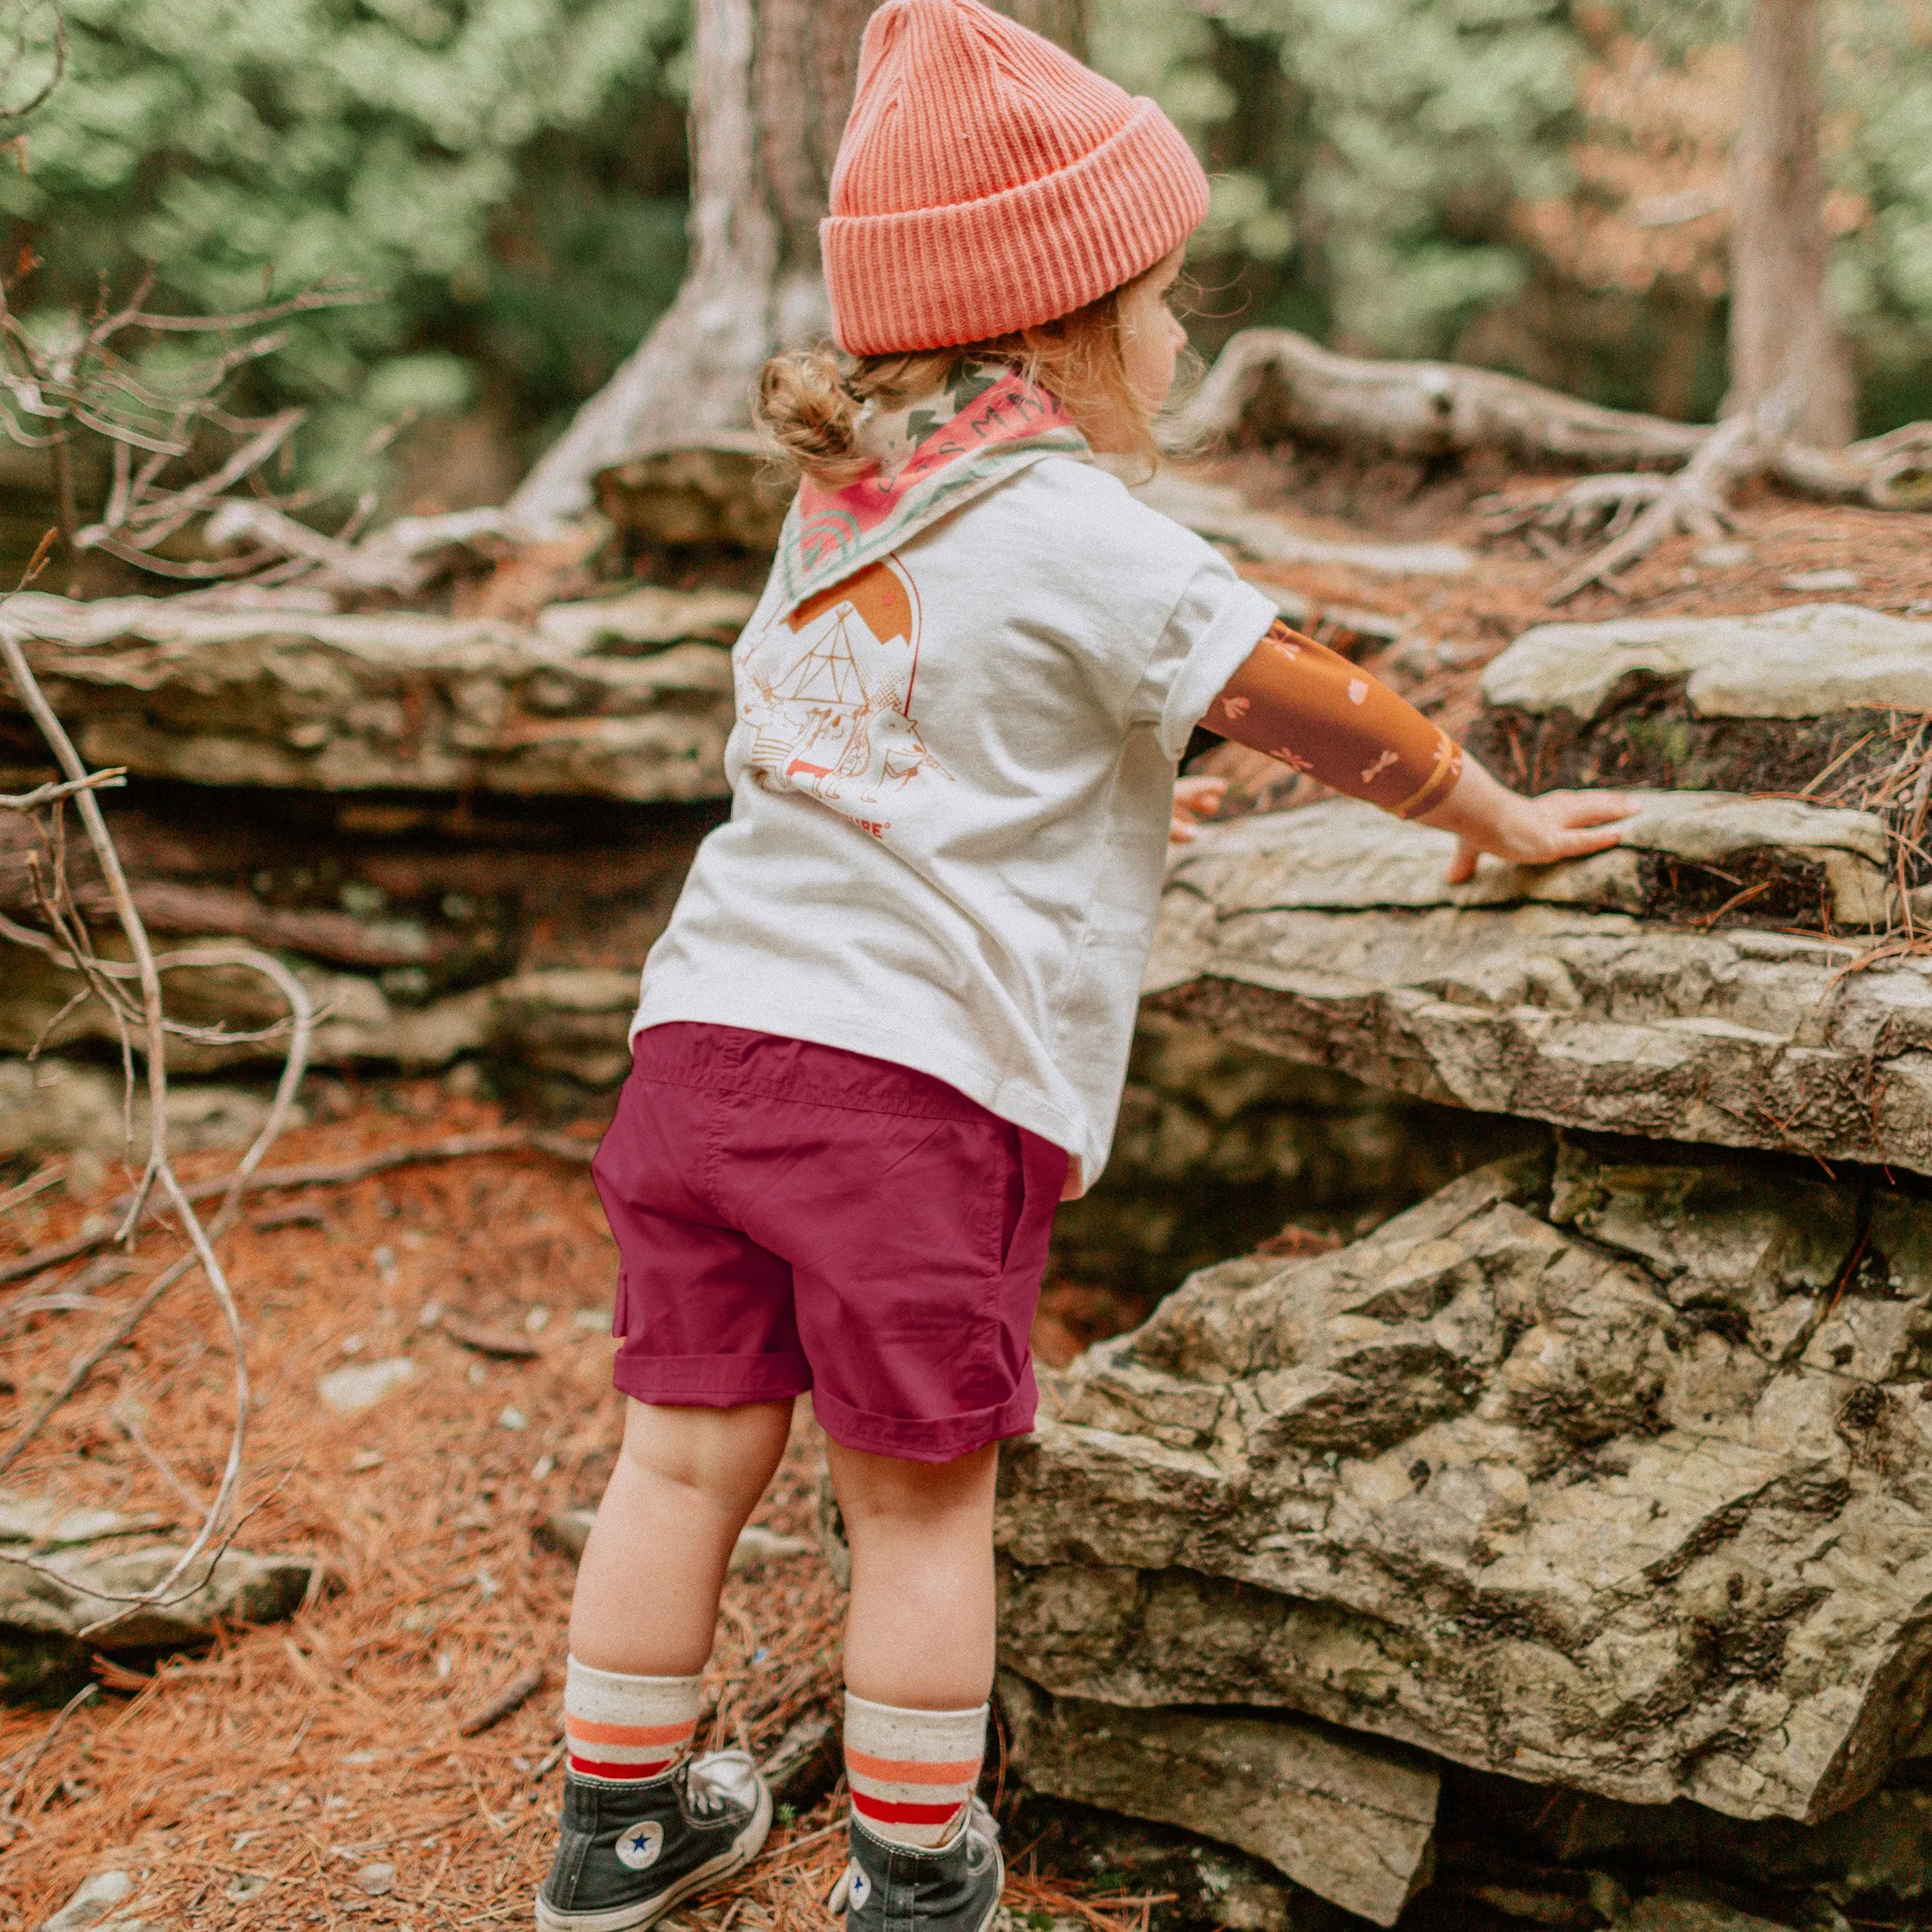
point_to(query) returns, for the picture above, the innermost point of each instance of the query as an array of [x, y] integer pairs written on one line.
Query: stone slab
[[45, 1606], [1616, 1475], [1801, 662], [44, 1524], [1352, 1821], [1344, 856], [629, 699], [569, 1020], [1586, 1019]]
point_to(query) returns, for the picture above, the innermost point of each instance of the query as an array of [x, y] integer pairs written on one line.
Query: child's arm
[[1299, 702]]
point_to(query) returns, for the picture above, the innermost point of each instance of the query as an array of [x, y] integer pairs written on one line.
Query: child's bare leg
[[919, 1666], [919, 1632], [644, 1824], [687, 1479]]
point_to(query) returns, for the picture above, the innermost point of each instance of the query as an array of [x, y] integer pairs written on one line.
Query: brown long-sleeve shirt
[[1307, 705]]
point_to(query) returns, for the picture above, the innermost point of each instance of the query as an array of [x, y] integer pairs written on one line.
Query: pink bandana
[[1001, 424]]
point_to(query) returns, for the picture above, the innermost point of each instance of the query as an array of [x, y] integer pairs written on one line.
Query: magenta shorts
[[791, 1216]]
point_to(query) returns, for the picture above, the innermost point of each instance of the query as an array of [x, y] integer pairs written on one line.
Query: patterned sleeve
[[1299, 702]]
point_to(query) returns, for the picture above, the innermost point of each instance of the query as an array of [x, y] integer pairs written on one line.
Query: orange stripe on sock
[[593, 1732], [892, 1771]]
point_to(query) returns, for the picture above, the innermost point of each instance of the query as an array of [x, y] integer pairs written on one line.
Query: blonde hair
[[811, 403]]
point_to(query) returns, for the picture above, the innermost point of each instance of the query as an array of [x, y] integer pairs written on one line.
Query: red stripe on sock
[[590, 1767], [883, 1811]]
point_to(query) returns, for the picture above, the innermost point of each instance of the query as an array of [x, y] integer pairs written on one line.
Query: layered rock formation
[[464, 834], [1616, 1475], [1720, 704], [1351, 1821], [1692, 985], [628, 697], [1607, 1467]]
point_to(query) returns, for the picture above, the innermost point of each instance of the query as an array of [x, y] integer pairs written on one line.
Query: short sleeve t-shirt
[[951, 779]]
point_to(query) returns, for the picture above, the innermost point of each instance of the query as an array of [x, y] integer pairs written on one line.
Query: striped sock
[[912, 1772], [627, 1727]]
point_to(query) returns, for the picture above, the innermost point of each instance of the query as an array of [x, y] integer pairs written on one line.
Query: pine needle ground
[[270, 1780]]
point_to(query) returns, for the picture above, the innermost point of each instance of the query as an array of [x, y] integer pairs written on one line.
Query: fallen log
[[1272, 384]]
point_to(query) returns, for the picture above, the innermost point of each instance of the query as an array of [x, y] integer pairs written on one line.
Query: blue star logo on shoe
[[861, 1887], [640, 1845]]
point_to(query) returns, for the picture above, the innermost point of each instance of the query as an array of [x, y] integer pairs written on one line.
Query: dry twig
[[144, 1028], [86, 1695], [457, 1146], [512, 1696]]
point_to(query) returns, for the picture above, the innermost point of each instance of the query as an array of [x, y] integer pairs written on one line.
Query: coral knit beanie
[[987, 182]]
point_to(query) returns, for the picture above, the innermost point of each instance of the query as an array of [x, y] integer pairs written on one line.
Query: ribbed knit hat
[[987, 182]]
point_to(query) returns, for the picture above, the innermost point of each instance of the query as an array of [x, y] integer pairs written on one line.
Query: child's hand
[[1487, 817], [1194, 799]]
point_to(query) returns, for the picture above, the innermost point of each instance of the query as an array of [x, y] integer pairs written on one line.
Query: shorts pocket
[[1010, 1192]]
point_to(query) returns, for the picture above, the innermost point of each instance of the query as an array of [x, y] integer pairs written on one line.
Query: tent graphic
[[831, 719]]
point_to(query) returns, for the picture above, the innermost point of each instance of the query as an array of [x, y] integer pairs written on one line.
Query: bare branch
[[125, 1421], [302, 304], [110, 778], [237, 519], [86, 1695], [161, 521], [69, 934], [191, 573]]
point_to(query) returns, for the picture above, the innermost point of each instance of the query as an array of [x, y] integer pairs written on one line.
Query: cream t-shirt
[[951, 778]]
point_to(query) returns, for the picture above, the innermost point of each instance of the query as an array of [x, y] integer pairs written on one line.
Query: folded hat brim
[[930, 278]]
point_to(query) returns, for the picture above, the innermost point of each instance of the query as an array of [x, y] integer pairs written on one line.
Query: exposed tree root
[[1696, 501], [1273, 382]]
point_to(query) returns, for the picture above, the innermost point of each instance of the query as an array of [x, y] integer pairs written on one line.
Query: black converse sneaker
[[628, 1851], [890, 1888]]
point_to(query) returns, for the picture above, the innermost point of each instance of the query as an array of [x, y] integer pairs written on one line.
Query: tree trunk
[[1781, 326], [772, 82]]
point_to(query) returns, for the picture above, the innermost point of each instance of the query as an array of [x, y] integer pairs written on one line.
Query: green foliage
[[508, 174], [1369, 153], [1879, 79], [1398, 133], [509, 177]]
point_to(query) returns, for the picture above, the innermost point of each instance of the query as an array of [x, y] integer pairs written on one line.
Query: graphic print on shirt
[[827, 690]]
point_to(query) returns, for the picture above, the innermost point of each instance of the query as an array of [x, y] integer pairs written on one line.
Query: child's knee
[[725, 1455], [887, 1491]]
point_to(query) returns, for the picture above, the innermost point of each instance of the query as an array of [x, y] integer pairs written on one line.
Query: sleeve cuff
[[1227, 622]]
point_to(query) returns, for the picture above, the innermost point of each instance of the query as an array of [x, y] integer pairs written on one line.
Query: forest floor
[[259, 1783], [262, 1781], [1454, 625]]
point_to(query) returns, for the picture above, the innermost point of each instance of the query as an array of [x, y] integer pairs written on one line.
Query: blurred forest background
[[1538, 186]]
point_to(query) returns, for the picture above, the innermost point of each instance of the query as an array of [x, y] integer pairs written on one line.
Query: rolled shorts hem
[[943, 1439], [712, 1381]]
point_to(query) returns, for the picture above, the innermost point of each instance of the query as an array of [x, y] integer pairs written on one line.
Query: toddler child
[[887, 1028]]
